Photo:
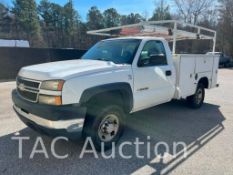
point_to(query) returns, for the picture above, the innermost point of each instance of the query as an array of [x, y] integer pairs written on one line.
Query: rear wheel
[[104, 125], [196, 101]]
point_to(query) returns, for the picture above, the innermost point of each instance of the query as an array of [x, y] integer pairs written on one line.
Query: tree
[[162, 12], [132, 18], [111, 18], [45, 11], [225, 26], [52, 23], [71, 20], [3, 11], [4, 20], [191, 10], [60, 23], [25, 12], [209, 19], [95, 19]]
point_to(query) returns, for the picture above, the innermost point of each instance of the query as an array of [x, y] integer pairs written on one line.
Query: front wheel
[[196, 101], [104, 125]]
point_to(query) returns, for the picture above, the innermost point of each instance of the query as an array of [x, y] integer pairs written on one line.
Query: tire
[[196, 101], [108, 118]]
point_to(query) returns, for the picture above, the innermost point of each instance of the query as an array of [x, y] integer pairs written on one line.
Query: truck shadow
[[169, 123], [173, 123]]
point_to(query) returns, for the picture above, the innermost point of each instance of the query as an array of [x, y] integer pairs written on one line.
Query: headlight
[[54, 85], [50, 100]]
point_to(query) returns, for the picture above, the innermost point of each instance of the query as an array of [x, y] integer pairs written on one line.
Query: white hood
[[66, 69]]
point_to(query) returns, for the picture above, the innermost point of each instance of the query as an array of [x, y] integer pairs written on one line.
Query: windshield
[[119, 51]]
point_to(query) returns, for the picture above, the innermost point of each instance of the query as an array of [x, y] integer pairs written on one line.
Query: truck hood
[[67, 69]]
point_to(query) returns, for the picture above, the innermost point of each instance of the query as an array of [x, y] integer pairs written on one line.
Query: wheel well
[[204, 81], [118, 97]]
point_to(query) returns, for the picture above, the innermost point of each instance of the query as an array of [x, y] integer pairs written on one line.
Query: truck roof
[[136, 37]]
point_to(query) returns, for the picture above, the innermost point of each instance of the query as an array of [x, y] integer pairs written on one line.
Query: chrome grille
[[28, 89]]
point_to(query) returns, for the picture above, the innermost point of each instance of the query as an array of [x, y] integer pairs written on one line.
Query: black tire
[[93, 121], [196, 101]]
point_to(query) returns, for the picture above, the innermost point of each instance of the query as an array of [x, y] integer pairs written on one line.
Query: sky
[[123, 6]]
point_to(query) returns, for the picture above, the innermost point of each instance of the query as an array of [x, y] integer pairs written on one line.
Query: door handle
[[168, 73]]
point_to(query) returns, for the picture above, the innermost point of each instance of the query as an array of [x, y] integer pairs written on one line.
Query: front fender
[[74, 88], [121, 87]]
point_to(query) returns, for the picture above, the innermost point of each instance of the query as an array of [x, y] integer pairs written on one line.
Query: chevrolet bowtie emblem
[[21, 87]]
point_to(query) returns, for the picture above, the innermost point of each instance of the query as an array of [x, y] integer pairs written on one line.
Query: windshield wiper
[[103, 59]]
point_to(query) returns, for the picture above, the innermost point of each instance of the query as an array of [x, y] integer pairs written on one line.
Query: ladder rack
[[171, 30]]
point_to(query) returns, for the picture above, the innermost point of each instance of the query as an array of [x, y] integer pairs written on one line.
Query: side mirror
[[141, 63]]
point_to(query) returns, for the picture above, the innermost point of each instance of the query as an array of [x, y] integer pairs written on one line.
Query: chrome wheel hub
[[108, 128]]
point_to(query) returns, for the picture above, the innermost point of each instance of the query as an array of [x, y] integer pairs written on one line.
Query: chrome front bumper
[[72, 125]]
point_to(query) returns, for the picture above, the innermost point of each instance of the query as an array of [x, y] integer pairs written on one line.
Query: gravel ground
[[207, 132]]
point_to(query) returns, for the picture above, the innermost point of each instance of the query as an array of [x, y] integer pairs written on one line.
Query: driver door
[[152, 76]]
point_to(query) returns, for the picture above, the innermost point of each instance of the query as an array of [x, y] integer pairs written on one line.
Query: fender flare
[[123, 87]]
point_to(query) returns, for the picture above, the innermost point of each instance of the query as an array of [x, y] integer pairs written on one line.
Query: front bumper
[[63, 120]]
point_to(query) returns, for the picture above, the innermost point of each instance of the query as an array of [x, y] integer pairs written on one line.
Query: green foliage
[[60, 23], [51, 15], [95, 19], [71, 17], [71, 20], [26, 17], [4, 19], [162, 12], [45, 11], [3, 11], [111, 18], [225, 27], [58, 26], [53, 25], [132, 18]]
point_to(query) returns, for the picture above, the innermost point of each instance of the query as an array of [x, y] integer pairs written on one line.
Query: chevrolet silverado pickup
[[116, 77]]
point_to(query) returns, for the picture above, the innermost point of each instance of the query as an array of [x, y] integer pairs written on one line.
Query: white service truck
[[116, 77]]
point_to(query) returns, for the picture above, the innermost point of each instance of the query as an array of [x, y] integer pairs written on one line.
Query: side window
[[153, 54]]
